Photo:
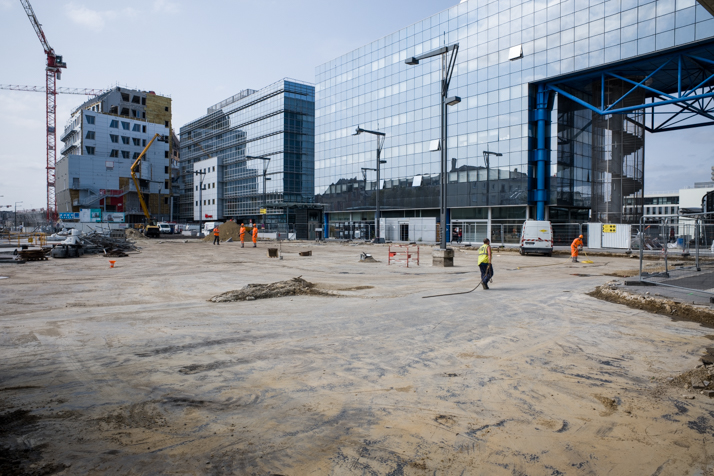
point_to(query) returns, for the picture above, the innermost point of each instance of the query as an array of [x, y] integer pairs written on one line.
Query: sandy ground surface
[[132, 371]]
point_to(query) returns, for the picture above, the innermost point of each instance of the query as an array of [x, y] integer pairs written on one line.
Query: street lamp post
[[16, 214], [266, 163], [202, 175], [447, 68], [381, 136], [487, 162]]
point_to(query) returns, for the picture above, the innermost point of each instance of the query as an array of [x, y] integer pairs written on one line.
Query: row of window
[[209, 202], [126, 126], [207, 186], [661, 210]]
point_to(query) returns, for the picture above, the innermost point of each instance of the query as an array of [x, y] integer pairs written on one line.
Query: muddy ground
[[132, 371]]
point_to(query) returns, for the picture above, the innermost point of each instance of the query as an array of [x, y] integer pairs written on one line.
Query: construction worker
[[576, 246], [255, 235], [484, 263], [216, 236], [242, 235]]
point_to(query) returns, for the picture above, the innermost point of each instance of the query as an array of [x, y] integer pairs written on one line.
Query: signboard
[[113, 217], [69, 216], [206, 215], [90, 215], [263, 211], [609, 228]]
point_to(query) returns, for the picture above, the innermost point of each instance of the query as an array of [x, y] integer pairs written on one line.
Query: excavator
[[150, 228]]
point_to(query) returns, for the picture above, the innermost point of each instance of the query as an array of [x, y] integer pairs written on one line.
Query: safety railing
[[402, 255], [32, 239]]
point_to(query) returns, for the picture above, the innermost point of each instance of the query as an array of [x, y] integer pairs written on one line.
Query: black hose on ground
[[454, 294]]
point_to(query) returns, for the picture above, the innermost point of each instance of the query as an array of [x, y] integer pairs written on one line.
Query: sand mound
[[292, 287], [231, 229], [134, 234]]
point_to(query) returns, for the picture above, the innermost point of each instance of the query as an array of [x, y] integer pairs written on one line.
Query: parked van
[[537, 237], [165, 228], [209, 226]]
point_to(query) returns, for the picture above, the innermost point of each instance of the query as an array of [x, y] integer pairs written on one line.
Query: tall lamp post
[[16, 214], [487, 162], [266, 163], [448, 61], [381, 136], [202, 175]]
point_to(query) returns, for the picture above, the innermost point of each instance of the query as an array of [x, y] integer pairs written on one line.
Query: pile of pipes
[[93, 243], [35, 254]]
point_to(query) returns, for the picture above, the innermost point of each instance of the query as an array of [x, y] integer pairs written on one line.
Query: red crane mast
[[53, 72]]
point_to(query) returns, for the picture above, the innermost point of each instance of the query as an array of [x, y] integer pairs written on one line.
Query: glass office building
[[594, 161], [276, 123]]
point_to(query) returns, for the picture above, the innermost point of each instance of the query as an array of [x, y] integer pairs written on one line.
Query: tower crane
[[53, 72], [41, 89]]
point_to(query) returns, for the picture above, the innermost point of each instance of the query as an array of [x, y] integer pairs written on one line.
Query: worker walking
[[484, 262], [242, 235], [576, 246], [255, 236], [216, 236]]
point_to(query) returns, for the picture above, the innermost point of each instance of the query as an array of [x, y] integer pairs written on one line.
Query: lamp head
[[453, 101], [412, 61], [358, 131]]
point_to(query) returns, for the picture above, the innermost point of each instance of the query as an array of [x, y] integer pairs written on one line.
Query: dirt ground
[[133, 371]]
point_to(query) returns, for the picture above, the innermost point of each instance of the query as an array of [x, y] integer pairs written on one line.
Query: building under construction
[[102, 138]]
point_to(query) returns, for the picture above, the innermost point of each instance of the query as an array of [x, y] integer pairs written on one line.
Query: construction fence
[[677, 251]]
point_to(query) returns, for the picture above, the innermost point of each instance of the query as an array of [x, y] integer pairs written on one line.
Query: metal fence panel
[[685, 251]]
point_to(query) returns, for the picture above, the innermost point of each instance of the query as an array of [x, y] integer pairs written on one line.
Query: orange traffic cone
[[111, 263]]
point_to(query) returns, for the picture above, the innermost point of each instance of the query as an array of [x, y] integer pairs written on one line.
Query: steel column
[[544, 107]]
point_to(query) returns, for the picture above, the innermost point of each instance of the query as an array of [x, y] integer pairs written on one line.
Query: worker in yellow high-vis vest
[[485, 263]]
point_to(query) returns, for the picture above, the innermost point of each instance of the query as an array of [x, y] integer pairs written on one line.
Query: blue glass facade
[[277, 122], [374, 88]]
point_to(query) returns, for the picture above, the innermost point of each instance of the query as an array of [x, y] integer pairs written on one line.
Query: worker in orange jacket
[[255, 236], [216, 236], [576, 246], [242, 235]]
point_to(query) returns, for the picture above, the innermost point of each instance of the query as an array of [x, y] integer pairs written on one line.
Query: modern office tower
[[102, 139], [254, 153], [555, 99]]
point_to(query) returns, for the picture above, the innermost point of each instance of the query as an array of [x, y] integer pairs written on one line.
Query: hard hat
[[581, 236]]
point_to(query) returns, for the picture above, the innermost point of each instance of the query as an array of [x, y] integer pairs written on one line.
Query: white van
[[537, 237], [165, 229], [209, 226]]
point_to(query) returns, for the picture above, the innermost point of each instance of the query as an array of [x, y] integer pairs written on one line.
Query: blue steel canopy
[[681, 77], [677, 85]]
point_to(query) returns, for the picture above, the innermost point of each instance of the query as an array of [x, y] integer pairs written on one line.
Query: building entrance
[[472, 231]]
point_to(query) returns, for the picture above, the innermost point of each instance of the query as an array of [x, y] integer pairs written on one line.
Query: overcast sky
[[202, 52]]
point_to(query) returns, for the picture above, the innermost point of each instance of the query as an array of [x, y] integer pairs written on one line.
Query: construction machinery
[[42, 89], [150, 228], [53, 72]]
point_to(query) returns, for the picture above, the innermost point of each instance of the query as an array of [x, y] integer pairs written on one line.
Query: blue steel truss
[[678, 86]]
